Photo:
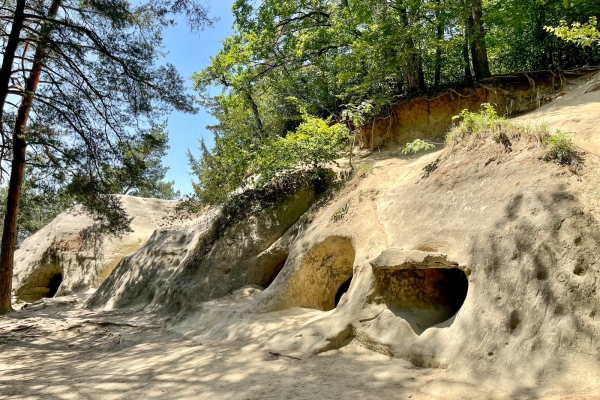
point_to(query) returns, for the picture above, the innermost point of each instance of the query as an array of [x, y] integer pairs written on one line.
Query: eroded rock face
[[178, 270], [430, 118], [69, 256], [486, 265], [489, 265]]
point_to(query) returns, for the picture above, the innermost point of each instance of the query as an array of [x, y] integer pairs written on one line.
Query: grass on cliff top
[[474, 127]]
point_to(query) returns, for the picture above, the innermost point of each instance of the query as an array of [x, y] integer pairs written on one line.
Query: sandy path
[[69, 353]]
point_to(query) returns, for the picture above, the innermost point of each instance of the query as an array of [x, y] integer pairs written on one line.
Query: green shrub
[[418, 145], [560, 148], [473, 123], [487, 123], [315, 143]]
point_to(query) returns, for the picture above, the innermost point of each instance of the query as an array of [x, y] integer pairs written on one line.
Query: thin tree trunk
[[9, 52], [256, 113], [465, 49], [481, 65], [437, 75], [422, 83], [9, 234]]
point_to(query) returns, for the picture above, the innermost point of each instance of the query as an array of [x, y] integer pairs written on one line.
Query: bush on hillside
[[486, 123], [561, 149]]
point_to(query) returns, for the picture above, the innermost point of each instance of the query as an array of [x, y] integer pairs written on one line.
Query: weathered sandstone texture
[[69, 255]]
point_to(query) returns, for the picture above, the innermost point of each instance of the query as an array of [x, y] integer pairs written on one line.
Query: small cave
[[343, 289], [325, 274], [423, 297], [43, 282], [54, 284]]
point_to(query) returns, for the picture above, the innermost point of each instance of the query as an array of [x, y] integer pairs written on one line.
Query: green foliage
[[240, 159], [519, 41], [49, 190], [360, 114], [487, 124], [91, 126], [560, 148], [418, 145], [315, 143], [352, 60], [141, 172], [474, 123], [584, 34], [40, 204], [93, 123]]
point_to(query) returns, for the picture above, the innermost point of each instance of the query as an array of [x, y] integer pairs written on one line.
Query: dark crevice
[[54, 284], [343, 289]]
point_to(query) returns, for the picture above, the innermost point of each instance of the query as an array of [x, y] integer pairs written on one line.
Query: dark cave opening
[[342, 289], [423, 297], [54, 284]]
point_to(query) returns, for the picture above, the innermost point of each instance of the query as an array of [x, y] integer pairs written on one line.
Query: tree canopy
[[287, 58]]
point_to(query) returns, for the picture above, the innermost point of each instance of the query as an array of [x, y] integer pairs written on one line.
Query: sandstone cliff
[[69, 256]]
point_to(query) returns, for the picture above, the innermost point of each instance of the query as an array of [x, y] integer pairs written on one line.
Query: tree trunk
[[415, 78], [466, 38], [9, 52], [437, 78], [256, 113], [9, 234], [437, 75], [481, 65]]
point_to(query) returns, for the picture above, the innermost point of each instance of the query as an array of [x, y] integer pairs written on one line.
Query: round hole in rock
[[423, 297], [54, 284], [343, 289]]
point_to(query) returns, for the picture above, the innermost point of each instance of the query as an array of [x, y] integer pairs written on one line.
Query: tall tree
[[87, 69], [479, 56]]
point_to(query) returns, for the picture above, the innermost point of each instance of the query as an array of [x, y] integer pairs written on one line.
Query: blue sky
[[191, 52]]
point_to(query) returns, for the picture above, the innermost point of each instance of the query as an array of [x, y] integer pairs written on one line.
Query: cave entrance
[[343, 289], [43, 282], [423, 297], [53, 285], [324, 269]]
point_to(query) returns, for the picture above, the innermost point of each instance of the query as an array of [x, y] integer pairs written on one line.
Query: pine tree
[[80, 83]]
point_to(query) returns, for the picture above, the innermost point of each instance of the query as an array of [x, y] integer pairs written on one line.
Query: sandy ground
[[65, 352], [59, 350]]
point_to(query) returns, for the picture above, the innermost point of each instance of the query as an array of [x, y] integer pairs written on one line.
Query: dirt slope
[[575, 110]]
